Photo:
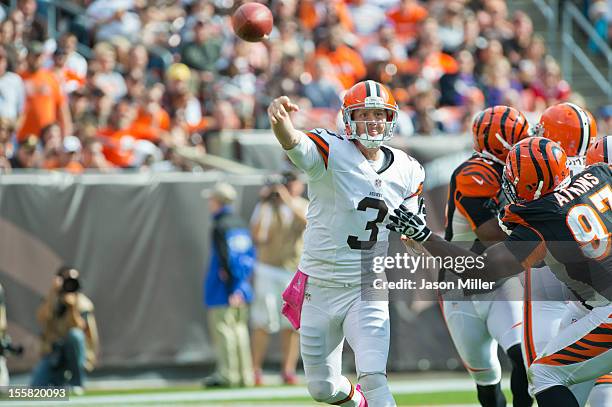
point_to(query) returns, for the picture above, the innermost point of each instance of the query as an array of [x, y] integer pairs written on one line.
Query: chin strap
[[538, 191], [488, 156]]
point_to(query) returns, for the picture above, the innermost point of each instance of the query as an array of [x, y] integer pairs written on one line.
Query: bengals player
[[477, 322], [548, 304], [567, 219], [601, 152]]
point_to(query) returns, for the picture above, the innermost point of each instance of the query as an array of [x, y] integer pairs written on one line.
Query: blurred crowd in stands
[[127, 83]]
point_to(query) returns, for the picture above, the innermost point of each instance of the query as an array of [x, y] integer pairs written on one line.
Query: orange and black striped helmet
[[600, 151], [496, 129], [571, 126], [534, 168]]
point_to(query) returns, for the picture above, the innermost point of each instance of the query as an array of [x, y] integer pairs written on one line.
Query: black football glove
[[411, 225]]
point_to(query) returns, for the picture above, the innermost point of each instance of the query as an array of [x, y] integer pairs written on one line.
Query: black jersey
[[574, 224]]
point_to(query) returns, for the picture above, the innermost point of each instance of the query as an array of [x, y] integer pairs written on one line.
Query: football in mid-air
[[252, 21]]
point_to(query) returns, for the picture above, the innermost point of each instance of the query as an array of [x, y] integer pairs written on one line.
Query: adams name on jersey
[[349, 201], [574, 224]]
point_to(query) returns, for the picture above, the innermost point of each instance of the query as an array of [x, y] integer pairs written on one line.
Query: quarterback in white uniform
[[352, 182]]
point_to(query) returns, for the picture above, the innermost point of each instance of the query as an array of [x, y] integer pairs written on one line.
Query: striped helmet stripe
[[502, 124], [371, 89], [607, 147], [538, 169], [585, 129], [517, 156], [542, 146]]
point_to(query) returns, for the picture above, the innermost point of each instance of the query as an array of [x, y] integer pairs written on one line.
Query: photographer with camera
[[69, 341], [277, 225]]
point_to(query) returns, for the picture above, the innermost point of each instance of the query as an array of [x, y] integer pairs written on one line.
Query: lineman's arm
[[499, 262], [490, 232]]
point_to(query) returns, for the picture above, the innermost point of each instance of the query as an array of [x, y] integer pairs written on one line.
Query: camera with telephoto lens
[[6, 347], [70, 284], [70, 279], [276, 180]]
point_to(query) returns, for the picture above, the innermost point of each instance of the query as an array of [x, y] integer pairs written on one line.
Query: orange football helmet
[[534, 167], [600, 151], [571, 126], [496, 130], [369, 95]]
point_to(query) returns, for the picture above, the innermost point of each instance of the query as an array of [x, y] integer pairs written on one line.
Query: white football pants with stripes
[[547, 309], [479, 322], [579, 353], [332, 312]]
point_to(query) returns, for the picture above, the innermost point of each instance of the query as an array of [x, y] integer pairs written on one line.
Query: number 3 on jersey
[[587, 226], [365, 203]]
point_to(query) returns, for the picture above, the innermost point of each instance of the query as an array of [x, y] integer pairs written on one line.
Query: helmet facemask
[[510, 190], [365, 138]]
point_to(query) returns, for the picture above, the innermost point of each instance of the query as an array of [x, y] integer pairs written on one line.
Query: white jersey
[[576, 164], [349, 202]]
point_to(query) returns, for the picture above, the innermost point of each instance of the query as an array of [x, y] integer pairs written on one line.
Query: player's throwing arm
[[278, 112]]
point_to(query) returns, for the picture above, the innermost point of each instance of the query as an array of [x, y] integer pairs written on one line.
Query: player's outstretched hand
[[411, 225], [279, 110]]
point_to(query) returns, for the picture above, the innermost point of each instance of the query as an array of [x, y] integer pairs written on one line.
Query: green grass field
[[413, 389], [165, 395]]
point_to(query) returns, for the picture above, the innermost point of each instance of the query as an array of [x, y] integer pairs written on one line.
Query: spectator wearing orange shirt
[[348, 64], [117, 137], [429, 60], [314, 14], [68, 79], [92, 155], [70, 156], [152, 121], [406, 18], [45, 101]]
